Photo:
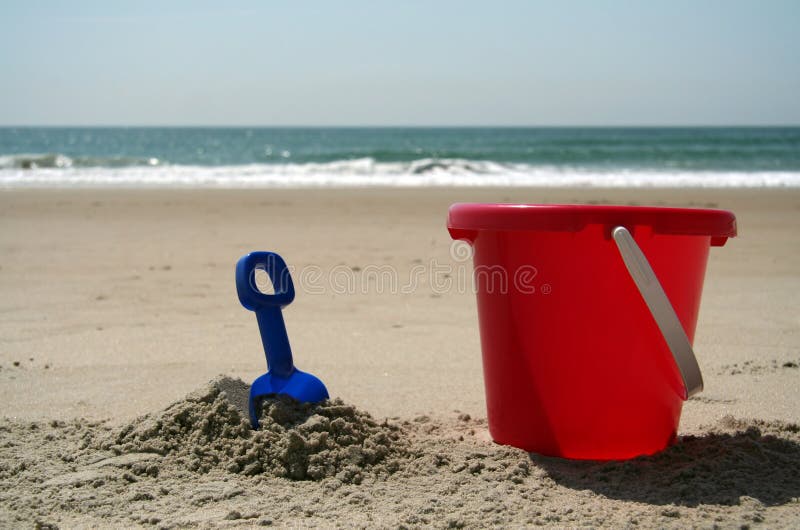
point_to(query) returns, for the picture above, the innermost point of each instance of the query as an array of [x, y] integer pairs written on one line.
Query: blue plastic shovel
[[282, 377]]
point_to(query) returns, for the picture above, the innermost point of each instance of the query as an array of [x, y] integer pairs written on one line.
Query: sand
[[193, 463], [199, 462], [117, 304], [209, 430]]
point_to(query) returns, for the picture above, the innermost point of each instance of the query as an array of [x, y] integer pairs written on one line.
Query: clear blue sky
[[600, 62]]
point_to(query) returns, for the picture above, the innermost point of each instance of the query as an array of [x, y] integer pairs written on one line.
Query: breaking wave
[[57, 170], [60, 161]]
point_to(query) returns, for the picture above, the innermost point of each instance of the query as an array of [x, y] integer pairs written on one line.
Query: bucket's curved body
[[574, 364]]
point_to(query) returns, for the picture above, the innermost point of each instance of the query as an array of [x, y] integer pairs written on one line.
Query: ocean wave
[[33, 161], [55, 172]]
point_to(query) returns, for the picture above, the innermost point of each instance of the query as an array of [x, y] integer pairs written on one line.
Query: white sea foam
[[368, 172]]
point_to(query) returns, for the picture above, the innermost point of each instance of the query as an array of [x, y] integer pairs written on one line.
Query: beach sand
[[117, 303]]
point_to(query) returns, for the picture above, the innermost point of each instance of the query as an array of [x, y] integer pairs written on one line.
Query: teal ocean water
[[280, 157]]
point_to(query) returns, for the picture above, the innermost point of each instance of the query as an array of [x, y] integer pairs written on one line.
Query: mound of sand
[[198, 463], [209, 429]]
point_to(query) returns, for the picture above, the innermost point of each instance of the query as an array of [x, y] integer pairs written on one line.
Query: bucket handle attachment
[[660, 307]]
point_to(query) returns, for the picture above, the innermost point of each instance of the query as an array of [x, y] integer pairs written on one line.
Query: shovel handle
[[270, 262], [268, 306]]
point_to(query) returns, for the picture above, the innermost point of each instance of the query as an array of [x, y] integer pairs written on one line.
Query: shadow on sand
[[757, 459]]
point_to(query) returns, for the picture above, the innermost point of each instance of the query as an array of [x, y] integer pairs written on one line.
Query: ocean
[[230, 157]]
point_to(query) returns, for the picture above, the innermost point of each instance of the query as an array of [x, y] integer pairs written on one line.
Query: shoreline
[[390, 183]]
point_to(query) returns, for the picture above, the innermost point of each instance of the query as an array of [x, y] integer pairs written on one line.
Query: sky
[[327, 63]]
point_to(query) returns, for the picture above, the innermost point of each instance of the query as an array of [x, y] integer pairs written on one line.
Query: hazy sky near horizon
[[605, 62]]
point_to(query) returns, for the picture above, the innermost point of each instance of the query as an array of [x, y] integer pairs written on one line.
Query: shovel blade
[[300, 385]]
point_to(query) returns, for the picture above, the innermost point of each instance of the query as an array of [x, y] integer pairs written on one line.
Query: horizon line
[[393, 126]]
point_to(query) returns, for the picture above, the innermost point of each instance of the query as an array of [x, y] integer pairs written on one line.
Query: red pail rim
[[718, 224]]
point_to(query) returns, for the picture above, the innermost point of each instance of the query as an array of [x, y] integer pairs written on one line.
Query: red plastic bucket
[[574, 363]]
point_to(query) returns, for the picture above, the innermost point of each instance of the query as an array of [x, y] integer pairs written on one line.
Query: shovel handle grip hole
[[262, 281]]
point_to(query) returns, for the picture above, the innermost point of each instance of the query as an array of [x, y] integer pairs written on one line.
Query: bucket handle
[[660, 307]]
